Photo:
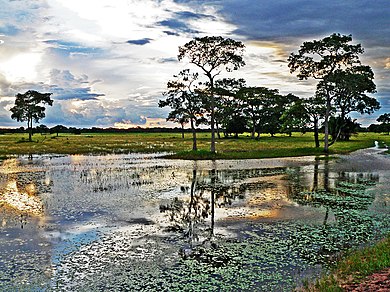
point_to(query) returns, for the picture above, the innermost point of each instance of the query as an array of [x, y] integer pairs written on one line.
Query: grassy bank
[[243, 147], [355, 267]]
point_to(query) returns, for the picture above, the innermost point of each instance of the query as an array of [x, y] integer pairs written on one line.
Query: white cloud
[[21, 67], [115, 57]]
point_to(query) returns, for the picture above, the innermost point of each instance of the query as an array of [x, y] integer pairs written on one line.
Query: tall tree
[[29, 107], [228, 107], [212, 54], [349, 89], [185, 101], [320, 59]]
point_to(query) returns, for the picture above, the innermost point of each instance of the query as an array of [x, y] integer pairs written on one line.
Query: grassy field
[[243, 147]]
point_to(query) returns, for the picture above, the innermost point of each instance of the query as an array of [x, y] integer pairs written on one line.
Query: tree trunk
[[326, 123], [253, 130], [316, 139], [29, 129], [212, 146], [182, 130], [218, 132], [194, 146]]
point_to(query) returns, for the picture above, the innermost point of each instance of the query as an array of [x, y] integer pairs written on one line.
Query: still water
[[140, 222]]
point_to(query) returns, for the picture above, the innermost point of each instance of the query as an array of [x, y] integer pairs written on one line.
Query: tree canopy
[[385, 120], [212, 54], [343, 80], [29, 107], [185, 101]]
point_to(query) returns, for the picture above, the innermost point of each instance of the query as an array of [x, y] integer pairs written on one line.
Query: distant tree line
[[60, 129]]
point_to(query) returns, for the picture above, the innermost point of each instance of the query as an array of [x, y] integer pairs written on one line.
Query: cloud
[[171, 33], [146, 122], [297, 18], [72, 47], [110, 64], [66, 86], [8, 30], [178, 26], [141, 42]]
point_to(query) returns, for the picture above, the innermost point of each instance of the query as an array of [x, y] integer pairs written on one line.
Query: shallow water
[[139, 222]]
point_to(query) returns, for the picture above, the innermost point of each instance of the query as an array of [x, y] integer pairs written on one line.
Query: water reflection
[[105, 213]]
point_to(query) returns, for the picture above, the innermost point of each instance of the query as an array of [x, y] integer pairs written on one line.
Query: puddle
[[139, 222]]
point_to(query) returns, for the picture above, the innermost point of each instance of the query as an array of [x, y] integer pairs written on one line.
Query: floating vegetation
[[134, 222]]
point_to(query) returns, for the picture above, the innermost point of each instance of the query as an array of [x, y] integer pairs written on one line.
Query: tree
[[295, 117], [211, 55], [43, 129], [29, 107], [185, 101], [228, 106], [323, 60], [349, 89], [258, 106], [385, 120], [57, 129]]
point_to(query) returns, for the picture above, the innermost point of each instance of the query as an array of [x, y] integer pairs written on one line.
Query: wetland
[[123, 222]]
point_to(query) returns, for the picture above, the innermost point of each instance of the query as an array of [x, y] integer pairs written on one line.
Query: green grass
[[356, 266], [244, 147]]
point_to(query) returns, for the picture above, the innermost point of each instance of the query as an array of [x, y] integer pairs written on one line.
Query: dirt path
[[378, 282]]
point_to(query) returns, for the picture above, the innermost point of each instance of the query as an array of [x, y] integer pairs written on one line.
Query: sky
[[107, 62]]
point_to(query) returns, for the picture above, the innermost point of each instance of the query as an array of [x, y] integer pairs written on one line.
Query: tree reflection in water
[[346, 199], [193, 215]]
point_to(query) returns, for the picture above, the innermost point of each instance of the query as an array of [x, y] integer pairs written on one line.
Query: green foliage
[[385, 122], [343, 81], [211, 54], [186, 102], [29, 107]]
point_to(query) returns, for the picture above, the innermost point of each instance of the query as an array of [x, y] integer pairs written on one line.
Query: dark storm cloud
[[270, 20], [167, 32], [177, 25], [183, 15], [139, 42]]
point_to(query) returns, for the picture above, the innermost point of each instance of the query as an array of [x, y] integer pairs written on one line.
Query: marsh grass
[[242, 148], [354, 267]]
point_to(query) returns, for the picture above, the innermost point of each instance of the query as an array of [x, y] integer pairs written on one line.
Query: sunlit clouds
[[107, 62]]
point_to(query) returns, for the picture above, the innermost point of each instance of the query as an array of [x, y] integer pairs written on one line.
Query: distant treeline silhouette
[[78, 131]]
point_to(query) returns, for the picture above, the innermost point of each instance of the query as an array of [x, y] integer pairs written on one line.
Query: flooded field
[[142, 223]]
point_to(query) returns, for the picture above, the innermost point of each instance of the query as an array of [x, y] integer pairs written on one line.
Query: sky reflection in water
[[119, 207]]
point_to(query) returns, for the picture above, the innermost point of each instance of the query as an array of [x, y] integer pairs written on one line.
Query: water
[[140, 222]]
